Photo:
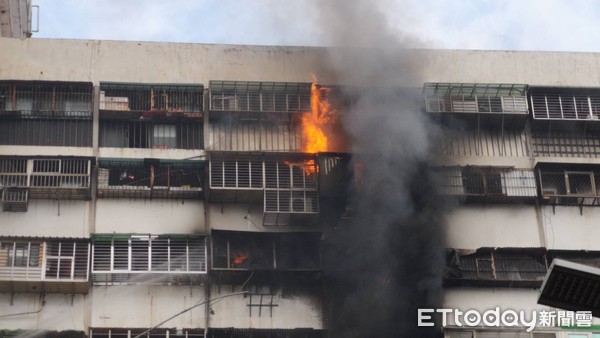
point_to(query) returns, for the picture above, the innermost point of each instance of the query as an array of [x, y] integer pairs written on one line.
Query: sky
[[547, 25]]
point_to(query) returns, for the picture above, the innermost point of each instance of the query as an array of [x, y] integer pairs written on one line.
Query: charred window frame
[[259, 251]]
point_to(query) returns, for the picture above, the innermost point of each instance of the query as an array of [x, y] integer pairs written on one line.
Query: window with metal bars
[[60, 260], [151, 134], [476, 98], [118, 178], [549, 103], [259, 96], [130, 255], [154, 333], [61, 173], [260, 251], [183, 99], [486, 181], [571, 185]]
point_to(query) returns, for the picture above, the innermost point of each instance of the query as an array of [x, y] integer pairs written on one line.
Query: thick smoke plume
[[387, 261]]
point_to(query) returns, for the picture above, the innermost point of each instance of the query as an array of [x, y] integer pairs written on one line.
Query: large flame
[[314, 124]]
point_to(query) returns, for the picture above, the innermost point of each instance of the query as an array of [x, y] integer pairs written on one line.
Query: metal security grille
[[140, 258], [565, 104], [573, 186], [154, 333], [56, 265], [239, 172], [47, 178], [136, 179], [259, 96], [475, 98], [43, 98], [566, 144], [486, 182], [151, 134], [151, 97]]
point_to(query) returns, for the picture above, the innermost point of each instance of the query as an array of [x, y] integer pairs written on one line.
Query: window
[[259, 96], [475, 98], [21, 254], [135, 254]]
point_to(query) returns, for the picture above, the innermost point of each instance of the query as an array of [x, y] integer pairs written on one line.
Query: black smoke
[[387, 261]]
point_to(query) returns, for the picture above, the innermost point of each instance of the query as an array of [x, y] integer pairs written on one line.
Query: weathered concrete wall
[[155, 62], [51, 218], [162, 216], [58, 311]]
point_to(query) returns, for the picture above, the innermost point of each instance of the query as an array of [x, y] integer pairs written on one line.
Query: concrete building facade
[[140, 180]]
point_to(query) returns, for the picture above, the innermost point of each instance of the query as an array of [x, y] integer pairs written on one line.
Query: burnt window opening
[[259, 251], [123, 97]]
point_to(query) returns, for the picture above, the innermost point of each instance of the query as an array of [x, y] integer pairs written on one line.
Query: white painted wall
[[162, 216], [60, 311], [291, 312], [245, 217], [50, 218], [566, 228], [146, 305], [492, 225]]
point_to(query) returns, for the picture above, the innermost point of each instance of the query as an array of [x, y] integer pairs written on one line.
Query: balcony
[[286, 186], [45, 178], [44, 265], [148, 259], [46, 113], [151, 116], [150, 178], [487, 184], [256, 116]]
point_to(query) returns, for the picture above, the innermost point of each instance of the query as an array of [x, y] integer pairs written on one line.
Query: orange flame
[[314, 123], [238, 260]]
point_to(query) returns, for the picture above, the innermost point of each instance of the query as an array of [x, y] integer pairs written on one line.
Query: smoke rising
[[387, 261]]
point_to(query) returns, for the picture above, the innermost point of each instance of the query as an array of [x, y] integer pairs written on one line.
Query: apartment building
[[168, 187]]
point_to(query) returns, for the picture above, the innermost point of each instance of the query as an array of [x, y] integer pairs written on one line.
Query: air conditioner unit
[[549, 195]]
